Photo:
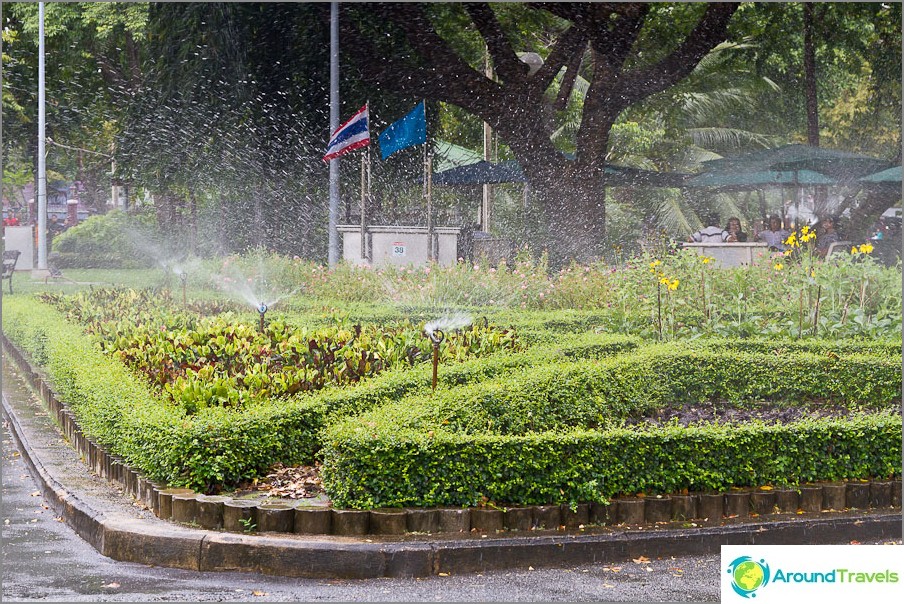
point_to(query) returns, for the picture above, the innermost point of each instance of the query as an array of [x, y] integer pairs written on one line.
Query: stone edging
[[282, 516]]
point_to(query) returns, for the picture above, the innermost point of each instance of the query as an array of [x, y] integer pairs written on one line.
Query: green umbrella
[[840, 165], [889, 176], [758, 180]]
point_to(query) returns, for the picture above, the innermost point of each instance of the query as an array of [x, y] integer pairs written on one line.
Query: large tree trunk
[[574, 210]]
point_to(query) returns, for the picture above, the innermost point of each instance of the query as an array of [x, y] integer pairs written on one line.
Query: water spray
[[436, 336], [262, 309]]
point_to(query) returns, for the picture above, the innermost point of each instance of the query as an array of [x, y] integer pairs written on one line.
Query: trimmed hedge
[[219, 446], [116, 409], [561, 395], [430, 463], [377, 467]]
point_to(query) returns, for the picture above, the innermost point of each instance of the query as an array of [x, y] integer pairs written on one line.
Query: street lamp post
[[42, 166]]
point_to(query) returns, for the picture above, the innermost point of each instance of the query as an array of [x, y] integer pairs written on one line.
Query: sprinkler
[[262, 309], [436, 336], [184, 277]]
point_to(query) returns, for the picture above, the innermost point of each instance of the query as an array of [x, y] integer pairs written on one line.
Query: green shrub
[[550, 394], [103, 241], [382, 466]]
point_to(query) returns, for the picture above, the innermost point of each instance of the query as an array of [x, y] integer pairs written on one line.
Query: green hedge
[[220, 446], [116, 409], [367, 467], [602, 393]]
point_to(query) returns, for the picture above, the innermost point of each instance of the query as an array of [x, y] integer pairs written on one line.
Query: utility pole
[[42, 167], [333, 251]]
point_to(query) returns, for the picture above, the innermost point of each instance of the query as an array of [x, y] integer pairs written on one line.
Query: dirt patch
[[299, 482], [725, 413]]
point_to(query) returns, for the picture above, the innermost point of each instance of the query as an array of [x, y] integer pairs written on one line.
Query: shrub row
[[386, 466], [115, 409], [220, 446], [578, 394]]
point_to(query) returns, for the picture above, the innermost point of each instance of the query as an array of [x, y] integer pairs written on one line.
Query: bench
[[10, 257]]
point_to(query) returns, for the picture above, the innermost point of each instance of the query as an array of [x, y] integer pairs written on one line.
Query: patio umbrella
[[480, 173], [890, 176], [484, 172], [840, 165], [757, 180]]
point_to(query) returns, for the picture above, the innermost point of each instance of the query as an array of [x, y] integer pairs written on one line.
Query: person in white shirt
[[775, 236], [710, 234]]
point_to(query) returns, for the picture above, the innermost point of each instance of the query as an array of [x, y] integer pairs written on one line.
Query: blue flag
[[406, 132]]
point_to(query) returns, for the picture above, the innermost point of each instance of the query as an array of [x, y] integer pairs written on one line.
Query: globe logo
[[748, 575]]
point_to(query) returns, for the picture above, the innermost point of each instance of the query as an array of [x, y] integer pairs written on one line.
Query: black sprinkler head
[[262, 308], [436, 336]]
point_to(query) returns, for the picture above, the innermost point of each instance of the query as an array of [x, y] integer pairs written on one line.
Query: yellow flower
[[807, 236], [786, 253], [854, 250], [804, 230], [866, 248], [674, 285], [705, 259], [778, 266], [664, 280], [655, 263]]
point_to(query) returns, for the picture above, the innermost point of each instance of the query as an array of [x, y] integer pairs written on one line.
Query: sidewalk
[[125, 530]]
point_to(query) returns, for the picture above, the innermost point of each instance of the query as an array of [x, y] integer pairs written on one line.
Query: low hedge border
[[237, 515], [223, 447], [220, 446], [598, 395], [371, 466]]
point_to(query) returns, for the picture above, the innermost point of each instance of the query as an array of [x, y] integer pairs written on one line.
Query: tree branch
[[710, 30], [570, 42], [505, 62]]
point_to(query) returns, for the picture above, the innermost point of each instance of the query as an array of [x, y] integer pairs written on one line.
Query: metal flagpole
[[333, 232], [364, 162], [42, 166], [428, 190]]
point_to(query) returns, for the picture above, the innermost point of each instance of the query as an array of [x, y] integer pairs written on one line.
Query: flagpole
[[364, 157], [428, 182], [332, 230]]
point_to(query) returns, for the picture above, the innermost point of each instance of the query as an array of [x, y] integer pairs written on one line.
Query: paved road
[[44, 560]]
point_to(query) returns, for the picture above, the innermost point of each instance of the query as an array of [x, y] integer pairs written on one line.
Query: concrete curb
[[161, 543]]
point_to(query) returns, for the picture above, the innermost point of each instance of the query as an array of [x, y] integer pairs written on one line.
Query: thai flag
[[351, 135]]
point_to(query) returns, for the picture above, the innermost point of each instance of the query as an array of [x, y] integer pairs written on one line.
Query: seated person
[[775, 236], [710, 234], [735, 234], [827, 236]]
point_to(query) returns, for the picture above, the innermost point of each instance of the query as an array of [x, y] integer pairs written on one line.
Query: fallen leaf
[[642, 560], [259, 593], [35, 493], [444, 574], [608, 585], [113, 585], [855, 542], [530, 568]]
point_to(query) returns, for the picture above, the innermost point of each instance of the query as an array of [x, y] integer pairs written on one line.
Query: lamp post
[[42, 166]]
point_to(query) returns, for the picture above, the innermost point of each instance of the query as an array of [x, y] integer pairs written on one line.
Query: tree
[[636, 50]]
